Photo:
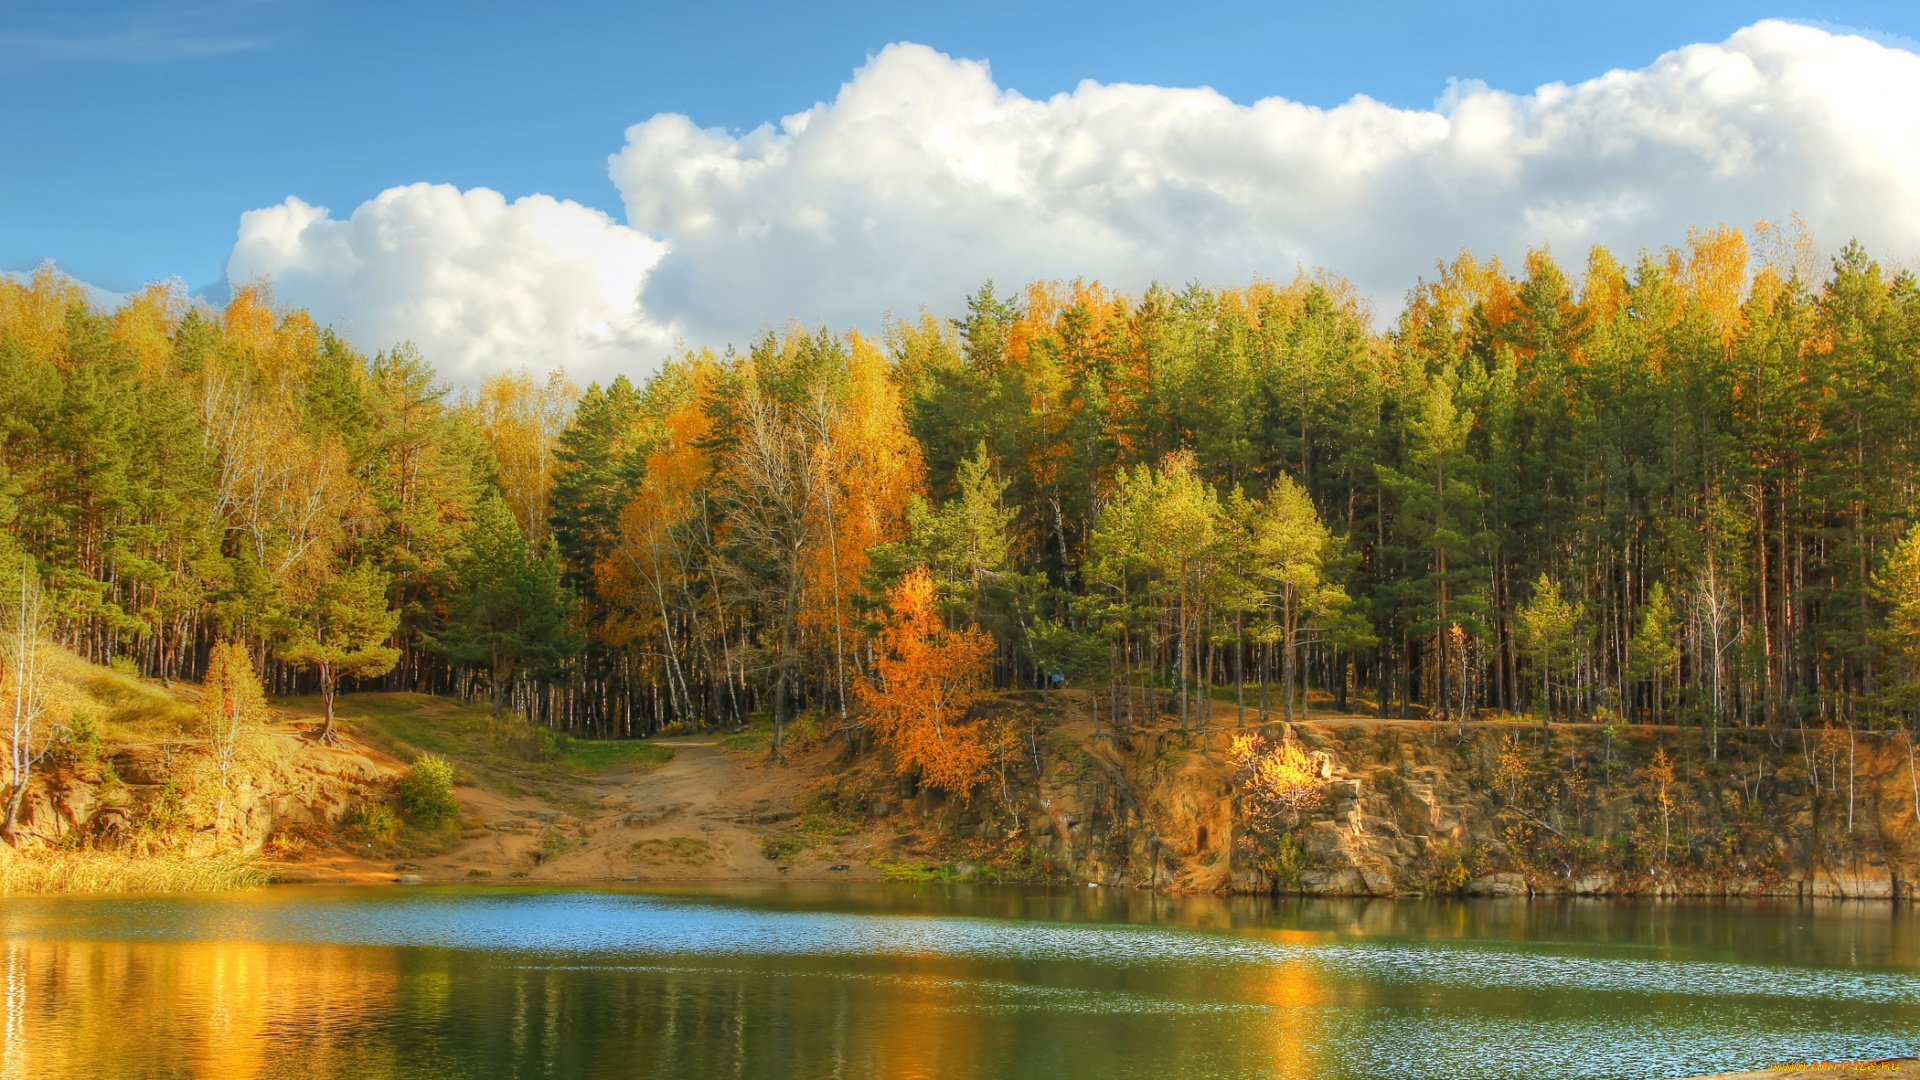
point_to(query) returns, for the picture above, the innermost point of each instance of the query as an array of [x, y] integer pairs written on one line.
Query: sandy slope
[[702, 816]]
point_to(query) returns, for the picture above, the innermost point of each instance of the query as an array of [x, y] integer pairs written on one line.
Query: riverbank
[[1497, 808], [1410, 808], [1404, 807], [122, 872]]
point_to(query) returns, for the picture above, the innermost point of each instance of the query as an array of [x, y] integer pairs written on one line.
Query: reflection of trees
[[242, 1010], [217, 1010], [1296, 994]]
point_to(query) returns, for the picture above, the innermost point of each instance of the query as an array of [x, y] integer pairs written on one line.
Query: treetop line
[[1680, 492]]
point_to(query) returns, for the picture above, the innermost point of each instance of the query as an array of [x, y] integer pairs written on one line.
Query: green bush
[[552, 845], [374, 821], [82, 738], [426, 792]]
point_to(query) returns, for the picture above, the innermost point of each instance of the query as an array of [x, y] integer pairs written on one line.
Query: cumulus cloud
[[923, 178], [479, 283]]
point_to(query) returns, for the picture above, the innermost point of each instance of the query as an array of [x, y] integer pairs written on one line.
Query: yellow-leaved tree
[[926, 678], [1898, 585], [232, 704]]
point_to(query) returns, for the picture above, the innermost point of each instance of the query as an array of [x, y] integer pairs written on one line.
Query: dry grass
[[117, 872], [125, 707]]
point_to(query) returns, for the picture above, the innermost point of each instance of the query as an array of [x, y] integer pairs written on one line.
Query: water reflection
[[936, 982]]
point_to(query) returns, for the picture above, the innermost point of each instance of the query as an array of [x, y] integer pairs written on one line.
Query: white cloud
[[923, 178], [479, 283]]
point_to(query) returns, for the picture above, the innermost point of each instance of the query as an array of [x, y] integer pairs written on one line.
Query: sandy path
[[710, 814]]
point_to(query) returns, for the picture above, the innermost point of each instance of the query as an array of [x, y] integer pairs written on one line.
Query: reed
[[116, 872]]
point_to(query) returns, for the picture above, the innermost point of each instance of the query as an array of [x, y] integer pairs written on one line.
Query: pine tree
[[1655, 649], [508, 613], [343, 633]]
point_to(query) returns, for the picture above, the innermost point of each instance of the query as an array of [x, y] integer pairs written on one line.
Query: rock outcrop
[[1480, 810], [281, 780]]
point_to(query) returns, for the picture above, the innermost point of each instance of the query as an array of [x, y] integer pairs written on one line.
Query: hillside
[[1405, 807], [1409, 808]]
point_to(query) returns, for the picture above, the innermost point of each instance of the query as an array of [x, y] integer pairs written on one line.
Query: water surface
[[938, 981]]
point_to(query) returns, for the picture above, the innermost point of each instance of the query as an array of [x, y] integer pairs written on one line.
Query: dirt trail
[[710, 814]]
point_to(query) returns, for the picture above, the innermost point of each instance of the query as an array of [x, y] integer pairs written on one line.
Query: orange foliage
[[1604, 290], [522, 419], [1275, 778], [926, 678], [870, 466], [283, 347], [146, 322], [35, 311], [1714, 275], [660, 524]]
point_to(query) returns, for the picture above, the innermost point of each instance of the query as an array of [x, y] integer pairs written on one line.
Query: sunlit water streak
[[504, 983]]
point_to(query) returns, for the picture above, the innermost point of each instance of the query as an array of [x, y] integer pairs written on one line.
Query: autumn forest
[[1678, 489]]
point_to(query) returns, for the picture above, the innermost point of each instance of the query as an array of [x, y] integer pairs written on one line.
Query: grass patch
[[551, 846], [912, 871], [506, 754], [821, 827], [755, 739], [777, 846], [1011, 864], [601, 755], [115, 872], [126, 707], [687, 849]]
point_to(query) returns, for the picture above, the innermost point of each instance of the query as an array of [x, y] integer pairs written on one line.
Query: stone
[[146, 765], [642, 818], [1497, 885], [1591, 885], [408, 879], [1378, 878]]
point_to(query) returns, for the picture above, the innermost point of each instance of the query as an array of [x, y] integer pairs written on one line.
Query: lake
[[910, 981]]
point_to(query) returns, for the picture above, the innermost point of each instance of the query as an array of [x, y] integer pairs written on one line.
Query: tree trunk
[[329, 683]]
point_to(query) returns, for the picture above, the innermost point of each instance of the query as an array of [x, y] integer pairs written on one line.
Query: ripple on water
[[625, 924]]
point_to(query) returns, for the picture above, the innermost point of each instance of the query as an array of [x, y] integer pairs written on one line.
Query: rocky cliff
[[1420, 808], [155, 795]]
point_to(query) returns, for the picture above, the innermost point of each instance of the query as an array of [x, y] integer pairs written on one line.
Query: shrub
[[374, 821], [552, 845], [426, 792], [82, 738]]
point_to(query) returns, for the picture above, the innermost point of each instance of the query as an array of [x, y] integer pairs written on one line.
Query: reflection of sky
[[601, 923]]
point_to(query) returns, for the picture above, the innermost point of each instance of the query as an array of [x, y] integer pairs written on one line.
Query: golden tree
[[24, 686], [232, 703], [926, 678], [521, 420], [870, 468], [1275, 778]]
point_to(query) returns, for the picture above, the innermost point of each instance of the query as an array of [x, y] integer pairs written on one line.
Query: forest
[[1680, 491]]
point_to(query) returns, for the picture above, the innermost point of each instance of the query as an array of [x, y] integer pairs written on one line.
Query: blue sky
[[143, 129], [140, 132]]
